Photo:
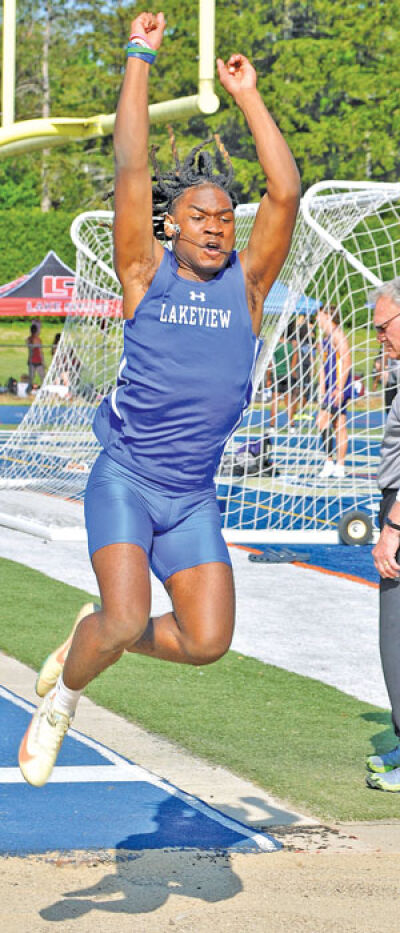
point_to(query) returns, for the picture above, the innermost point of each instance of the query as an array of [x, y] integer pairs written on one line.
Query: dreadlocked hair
[[199, 168]]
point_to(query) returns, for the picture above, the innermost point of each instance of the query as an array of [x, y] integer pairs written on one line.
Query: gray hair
[[387, 290]]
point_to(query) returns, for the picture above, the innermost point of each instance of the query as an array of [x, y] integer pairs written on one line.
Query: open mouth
[[212, 247]]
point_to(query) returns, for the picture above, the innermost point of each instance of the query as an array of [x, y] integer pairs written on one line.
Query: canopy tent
[[46, 289], [278, 296]]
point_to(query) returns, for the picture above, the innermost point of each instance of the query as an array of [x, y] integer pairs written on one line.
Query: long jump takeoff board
[[97, 799]]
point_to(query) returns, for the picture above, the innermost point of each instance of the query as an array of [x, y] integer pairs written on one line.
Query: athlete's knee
[[207, 649], [121, 628]]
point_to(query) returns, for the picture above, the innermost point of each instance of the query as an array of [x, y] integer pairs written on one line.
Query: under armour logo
[[200, 295]]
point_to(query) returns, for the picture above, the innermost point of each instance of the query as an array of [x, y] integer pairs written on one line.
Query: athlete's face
[[324, 322], [207, 231], [387, 323]]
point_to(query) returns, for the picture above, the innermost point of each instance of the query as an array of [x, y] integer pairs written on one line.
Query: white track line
[[134, 773]]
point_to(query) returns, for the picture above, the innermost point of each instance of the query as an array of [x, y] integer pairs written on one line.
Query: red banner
[[60, 307]]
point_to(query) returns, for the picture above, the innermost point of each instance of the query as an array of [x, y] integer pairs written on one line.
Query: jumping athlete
[[192, 318], [335, 389]]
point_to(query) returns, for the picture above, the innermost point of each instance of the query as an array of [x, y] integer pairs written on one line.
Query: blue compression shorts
[[176, 532]]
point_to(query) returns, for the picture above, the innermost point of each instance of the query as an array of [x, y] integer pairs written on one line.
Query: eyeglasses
[[381, 328]]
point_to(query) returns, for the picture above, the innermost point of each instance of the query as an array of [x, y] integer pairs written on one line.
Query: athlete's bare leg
[[323, 419], [291, 403], [122, 572], [324, 425], [198, 630], [273, 410], [341, 438]]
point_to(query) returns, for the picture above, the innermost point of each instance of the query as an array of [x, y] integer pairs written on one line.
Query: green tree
[[327, 71]]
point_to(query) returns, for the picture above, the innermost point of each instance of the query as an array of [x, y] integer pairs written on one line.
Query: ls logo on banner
[[57, 286]]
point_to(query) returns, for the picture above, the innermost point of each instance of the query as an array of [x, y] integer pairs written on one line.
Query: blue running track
[[12, 414], [96, 799]]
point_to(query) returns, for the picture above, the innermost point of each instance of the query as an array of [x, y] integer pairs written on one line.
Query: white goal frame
[[347, 241]]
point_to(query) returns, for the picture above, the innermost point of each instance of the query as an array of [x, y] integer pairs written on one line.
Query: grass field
[[298, 738], [13, 352]]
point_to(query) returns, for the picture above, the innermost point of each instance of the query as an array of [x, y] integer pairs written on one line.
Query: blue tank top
[[184, 378]]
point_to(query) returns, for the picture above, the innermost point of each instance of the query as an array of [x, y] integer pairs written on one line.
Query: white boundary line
[[84, 774], [134, 772]]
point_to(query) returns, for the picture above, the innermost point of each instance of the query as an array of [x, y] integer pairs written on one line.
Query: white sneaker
[[338, 470], [42, 742], [53, 665], [327, 469]]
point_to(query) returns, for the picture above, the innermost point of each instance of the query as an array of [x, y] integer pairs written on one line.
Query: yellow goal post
[[27, 135]]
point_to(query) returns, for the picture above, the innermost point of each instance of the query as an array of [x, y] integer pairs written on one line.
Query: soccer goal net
[[346, 241]]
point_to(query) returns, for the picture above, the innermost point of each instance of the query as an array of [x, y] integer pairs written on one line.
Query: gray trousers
[[389, 624]]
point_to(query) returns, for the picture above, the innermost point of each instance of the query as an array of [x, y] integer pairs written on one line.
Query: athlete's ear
[[170, 227]]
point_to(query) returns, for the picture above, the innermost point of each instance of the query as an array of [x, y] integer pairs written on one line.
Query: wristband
[[139, 39], [138, 51], [388, 521]]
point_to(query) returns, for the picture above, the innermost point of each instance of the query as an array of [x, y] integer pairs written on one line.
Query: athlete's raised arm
[[136, 253], [272, 232]]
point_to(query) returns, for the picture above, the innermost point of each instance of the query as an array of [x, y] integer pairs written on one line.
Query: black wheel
[[355, 528]]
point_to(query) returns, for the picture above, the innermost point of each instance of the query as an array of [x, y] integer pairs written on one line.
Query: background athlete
[[335, 390], [36, 365], [192, 316]]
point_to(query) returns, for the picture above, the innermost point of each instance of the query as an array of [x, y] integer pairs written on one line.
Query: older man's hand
[[384, 553]]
